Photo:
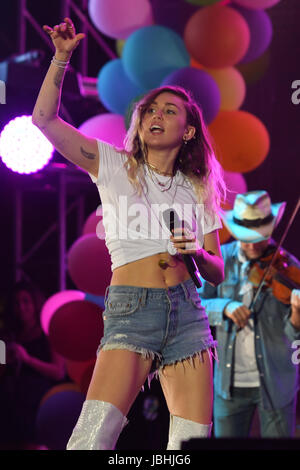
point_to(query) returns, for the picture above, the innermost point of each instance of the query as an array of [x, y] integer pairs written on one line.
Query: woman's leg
[[118, 377], [188, 389]]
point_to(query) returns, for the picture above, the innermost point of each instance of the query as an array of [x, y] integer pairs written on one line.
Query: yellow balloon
[[120, 43]]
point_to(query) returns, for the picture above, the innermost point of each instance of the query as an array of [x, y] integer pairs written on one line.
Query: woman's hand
[[185, 242], [64, 37], [19, 353]]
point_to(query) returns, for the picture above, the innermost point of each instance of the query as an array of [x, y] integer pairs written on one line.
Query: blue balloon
[[115, 88], [57, 417], [96, 299], [203, 88], [151, 53]]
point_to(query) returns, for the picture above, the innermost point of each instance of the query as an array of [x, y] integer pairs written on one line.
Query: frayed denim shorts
[[167, 325]]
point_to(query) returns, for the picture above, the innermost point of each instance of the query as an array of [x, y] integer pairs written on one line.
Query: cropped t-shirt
[[135, 226]]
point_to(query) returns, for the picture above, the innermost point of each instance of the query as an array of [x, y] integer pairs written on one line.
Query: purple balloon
[[202, 86], [261, 31], [172, 13]]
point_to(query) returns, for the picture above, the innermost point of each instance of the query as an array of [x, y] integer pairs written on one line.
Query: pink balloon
[[55, 302], [89, 264], [236, 184], [108, 127], [256, 4], [119, 18], [94, 224]]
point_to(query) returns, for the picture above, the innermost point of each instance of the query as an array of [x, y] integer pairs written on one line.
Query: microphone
[[172, 221]]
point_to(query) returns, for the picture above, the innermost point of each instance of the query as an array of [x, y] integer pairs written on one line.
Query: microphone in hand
[[172, 221]]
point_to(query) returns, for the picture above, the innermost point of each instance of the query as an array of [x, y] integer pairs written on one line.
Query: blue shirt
[[274, 335]]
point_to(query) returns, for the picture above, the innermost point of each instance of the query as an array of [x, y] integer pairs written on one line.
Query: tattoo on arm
[[90, 156], [59, 78]]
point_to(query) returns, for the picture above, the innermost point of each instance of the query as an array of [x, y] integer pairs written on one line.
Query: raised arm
[[72, 144]]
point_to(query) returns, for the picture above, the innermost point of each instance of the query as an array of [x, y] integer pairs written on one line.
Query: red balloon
[[89, 264], [217, 36], [81, 372], [242, 141], [76, 329]]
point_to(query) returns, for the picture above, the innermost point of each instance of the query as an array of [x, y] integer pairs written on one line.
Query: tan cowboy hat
[[253, 217]]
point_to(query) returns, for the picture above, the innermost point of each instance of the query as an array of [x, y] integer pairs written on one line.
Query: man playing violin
[[255, 339]]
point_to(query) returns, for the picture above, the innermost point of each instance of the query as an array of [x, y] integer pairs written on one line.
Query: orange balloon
[[196, 64], [231, 85], [241, 140], [217, 36]]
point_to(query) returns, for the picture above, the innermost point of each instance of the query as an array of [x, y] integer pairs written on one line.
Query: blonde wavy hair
[[196, 159]]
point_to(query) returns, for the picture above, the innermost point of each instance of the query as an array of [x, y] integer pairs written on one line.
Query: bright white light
[[23, 148]]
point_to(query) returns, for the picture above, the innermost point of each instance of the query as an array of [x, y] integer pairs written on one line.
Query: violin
[[273, 270], [282, 278]]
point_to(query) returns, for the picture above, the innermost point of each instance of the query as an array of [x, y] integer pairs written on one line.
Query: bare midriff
[[161, 270]]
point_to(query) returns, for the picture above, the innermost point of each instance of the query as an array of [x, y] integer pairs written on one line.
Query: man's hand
[[295, 305], [238, 313]]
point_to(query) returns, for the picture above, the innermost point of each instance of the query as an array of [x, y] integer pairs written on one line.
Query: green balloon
[[130, 109], [203, 2]]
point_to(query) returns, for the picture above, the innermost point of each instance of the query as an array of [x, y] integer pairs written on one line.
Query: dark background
[[269, 99]]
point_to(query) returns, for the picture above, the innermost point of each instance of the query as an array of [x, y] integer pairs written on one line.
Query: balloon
[[120, 46], [130, 109], [203, 88], [172, 14], [78, 371], [76, 330], [152, 53], [115, 88], [236, 184], [224, 234], [59, 388], [202, 2], [255, 70], [242, 141], [56, 301], [119, 18], [89, 264], [257, 3], [94, 224], [217, 36], [86, 378], [57, 417], [107, 127], [96, 299], [231, 85], [261, 30]]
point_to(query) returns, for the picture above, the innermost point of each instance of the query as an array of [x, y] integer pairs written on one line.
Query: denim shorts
[[167, 325]]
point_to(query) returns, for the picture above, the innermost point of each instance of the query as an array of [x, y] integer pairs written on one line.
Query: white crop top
[[134, 225]]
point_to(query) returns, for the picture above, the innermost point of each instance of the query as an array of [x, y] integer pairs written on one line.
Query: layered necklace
[[162, 186]]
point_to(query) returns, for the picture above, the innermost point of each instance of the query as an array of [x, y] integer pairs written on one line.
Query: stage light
[[23, 148]]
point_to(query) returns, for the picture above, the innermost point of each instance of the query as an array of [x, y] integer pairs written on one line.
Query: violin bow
[[268, 268]]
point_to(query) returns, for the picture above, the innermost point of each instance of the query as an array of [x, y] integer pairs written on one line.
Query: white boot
[[98, 427], [183, 429]]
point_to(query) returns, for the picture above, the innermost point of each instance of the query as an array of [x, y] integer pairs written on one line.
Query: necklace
[[154, 168], [162, 186], [162, 263]]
